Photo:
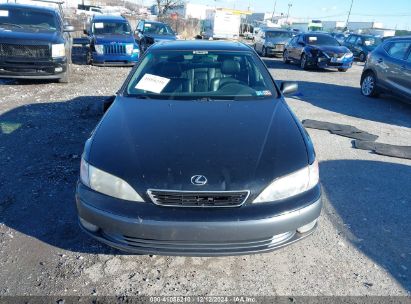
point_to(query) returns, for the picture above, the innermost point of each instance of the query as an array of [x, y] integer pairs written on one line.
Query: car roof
[[29, 7], [108, 18], [273, 29], [200, 45], [153, 22], [399, 38]]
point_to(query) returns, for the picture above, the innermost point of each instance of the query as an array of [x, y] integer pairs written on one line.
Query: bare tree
[[166, 5]]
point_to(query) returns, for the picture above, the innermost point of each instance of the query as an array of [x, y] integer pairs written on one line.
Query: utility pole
[[349, 14], [275, 4], [288, 12]]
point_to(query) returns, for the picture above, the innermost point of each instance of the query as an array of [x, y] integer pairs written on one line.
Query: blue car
[[111, 42], [318, 50]]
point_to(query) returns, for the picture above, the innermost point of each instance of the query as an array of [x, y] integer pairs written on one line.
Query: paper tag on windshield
[[152, 83], [98, 25], [4, 13], [312, 38]]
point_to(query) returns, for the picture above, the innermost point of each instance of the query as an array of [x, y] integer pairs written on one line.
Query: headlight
[[291, 185], [106, 183], [99, 49], [349, 55], [129, 49], [58, 50]]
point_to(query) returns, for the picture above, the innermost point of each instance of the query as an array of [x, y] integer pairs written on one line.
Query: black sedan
[[318, 50], [388, 69], [199, 155]]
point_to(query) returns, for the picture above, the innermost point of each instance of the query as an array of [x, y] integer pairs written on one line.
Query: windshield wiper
[[40, 26], [11, 24]]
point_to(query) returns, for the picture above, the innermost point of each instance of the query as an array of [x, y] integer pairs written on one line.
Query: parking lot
[[362, 246]]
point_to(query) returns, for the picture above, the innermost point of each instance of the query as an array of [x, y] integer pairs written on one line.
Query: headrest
[[230, 67]]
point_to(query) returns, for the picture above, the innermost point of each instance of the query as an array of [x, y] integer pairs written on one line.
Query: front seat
[[230, 69], [173, 71]]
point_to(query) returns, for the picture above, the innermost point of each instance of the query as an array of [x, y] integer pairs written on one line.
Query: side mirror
[[68, 29], [289, 87], [108, 102]]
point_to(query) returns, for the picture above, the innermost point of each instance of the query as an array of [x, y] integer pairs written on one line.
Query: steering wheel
[[234, 81]]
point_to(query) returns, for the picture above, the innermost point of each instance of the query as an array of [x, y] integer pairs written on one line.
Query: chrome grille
[[26, 51], [114, 49], [172, 198]]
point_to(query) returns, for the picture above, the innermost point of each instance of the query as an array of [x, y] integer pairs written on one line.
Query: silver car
[[271, 42], [388, 69]]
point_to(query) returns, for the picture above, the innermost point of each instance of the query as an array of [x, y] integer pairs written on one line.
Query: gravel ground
[[362, 246]]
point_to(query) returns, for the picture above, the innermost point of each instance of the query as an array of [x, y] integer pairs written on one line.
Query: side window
[[300, 39], [397, 50], [140, 26], [293, 41], [359, 41], [351, 39], [409, 58]]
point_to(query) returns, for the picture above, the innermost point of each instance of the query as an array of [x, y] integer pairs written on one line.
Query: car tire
[[342, 70], [264, 52], [369, 85], [66, 76], [303, 62], [362, 57], [286, 59]]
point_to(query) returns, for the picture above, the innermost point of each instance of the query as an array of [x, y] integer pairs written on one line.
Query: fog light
[[307, 227], [88, 226], [58, 70]]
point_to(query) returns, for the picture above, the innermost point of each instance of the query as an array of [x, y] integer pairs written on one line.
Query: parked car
[[34, 43], [318, 50], [150, 32], [271, 41], [111, 42], [199, 155], [388, 69], [361, 45]]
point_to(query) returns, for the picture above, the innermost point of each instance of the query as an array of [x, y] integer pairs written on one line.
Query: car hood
[[161, 144], [331, 49], [107, 39], [29, 36]]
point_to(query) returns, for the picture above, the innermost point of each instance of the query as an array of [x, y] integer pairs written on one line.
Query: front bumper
[[21, 68], [115, 59], [325, 63], [145, 228]]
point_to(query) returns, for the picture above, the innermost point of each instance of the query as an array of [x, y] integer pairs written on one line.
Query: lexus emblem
[[199, 180]]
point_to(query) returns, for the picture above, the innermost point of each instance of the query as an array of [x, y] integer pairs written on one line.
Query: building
[[192, 11]]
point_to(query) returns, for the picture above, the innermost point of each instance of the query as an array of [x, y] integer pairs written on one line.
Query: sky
[[393, 14]]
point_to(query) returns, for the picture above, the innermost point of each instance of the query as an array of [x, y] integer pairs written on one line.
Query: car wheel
[[369, 85], [362, 57], [342, 70], [89, 60], [303, 62], [286, 58], [264, 52], [66, 76]]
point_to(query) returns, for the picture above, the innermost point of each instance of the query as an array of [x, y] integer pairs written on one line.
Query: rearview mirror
[[289, 87], [68, 28]]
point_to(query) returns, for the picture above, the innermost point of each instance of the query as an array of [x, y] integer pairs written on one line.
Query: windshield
[[28, 19], [157, 28], [201, 75], [372, 41], [321, 40], [273, 34], [111, 28]]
